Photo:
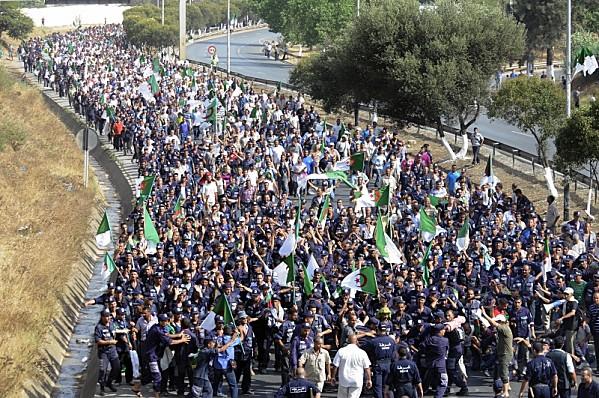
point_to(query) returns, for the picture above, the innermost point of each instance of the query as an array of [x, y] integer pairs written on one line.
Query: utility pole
[[182, 30], [162, 13], [569, 62], [358, 7], [228, 37]]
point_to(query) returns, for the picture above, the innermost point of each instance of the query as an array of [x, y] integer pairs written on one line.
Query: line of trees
[[143, 26], [13, 22]]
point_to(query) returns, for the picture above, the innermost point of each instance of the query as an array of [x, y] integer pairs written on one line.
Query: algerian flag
[[312, 266], [356, 161], [178, 209], [156, 65], [385, 244], [153, 84], [546, 259], [145, 187], [211, 112], [103, 236], [381, 196], [149, 230], [364, 199], [308, 285], [223, 308], [428, 226], [363, 280], [586, 62], [489, 177], [463, 240], [290, 262], [146, 91], [109, 266], [424, 265], [254, 113], [322, 217], [342, 131], [436, 201], [331, 175], [288, 246]]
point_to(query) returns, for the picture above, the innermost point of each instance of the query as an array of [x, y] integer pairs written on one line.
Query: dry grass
[[44, 213]]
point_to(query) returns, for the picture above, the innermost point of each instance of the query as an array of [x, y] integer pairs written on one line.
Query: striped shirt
[[593, 314]]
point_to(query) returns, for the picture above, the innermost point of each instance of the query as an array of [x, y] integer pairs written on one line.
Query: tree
[[12, 21], [423, 66], [577, 142], [306, 22], [545, 22], [537, 106]]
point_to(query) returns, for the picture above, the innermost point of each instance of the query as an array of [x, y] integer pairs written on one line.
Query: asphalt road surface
[[247, 58]]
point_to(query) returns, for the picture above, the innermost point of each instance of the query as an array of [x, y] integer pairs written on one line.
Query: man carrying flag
[[426, 274], [362, 280]]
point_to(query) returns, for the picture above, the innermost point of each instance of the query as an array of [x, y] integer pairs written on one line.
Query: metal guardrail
[[516, 153]]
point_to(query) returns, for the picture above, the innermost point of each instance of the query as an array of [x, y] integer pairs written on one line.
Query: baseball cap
[[569, 290], [306, 326], [163, 317]]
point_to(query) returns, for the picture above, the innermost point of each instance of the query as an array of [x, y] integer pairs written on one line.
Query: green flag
[[290, 261], [308, 285], [153, 84], [379, 237], [71, 48], [178, 209], [342, 131], [381, 197], [424, 265], [110, 112], [149, 230], [356, 161], [109, 266], [189, 72], [254, 113], [145, 188], [436, 201], [428, 226], [103, 234], [463, 240], [211, 111], [322, 218], [156, 65], [363, 279], [340, 175], [223, 308]]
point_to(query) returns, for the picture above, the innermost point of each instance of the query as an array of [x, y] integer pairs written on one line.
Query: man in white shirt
[[351, 362]]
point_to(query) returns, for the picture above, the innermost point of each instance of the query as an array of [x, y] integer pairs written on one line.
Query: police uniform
[[539, 373], [107, 354], [201, 387], [436, 348], [381, 350], [122, 348], [156, 342], [298, 388], [402, 378], [455, 353], [284, 336]]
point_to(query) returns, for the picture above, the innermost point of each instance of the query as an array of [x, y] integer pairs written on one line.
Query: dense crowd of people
[[230, 163]]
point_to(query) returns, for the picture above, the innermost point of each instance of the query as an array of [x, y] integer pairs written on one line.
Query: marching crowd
[[520, 301]]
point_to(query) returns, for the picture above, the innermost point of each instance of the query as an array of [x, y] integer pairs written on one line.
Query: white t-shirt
[[351, 361]]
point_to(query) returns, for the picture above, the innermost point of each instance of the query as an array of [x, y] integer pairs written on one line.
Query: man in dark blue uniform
[[404, 378], [106, 340], [201, 387], [540, 377], [299, 387], [156, 342], [380, 350], [283, 343], [436, 347]]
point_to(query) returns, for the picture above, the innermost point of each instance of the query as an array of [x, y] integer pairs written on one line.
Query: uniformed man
[[436, 347], [299, 387], [588, 388], [540, 377], [156, 342], [455, 337], [523, 326], [124, 344], [300, 344], [201, 387], [106, 340], [566, 373], [404, 378], [283, 343], [380, 350]]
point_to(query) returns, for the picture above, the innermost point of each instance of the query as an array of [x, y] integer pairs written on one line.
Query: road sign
[[211, 50]]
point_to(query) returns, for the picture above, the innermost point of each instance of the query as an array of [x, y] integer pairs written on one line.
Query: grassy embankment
[[44, 218]]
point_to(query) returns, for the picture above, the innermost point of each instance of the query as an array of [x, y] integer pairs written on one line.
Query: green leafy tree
[[577, 142], [307, 22], [537, 106], [545, 22], [12, 21], [423, 66]]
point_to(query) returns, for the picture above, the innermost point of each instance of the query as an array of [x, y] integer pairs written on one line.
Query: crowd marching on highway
[[264, 239]]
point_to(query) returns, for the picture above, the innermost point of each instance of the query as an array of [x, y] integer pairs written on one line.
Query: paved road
[[247, 58]]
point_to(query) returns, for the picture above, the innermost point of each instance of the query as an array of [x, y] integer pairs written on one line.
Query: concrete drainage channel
[[78, 372]]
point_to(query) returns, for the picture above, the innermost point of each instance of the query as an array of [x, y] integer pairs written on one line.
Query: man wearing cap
[[201, 387], [124, 344], [522, 324], [317, 364], [404, 377], [244, 353], [380, 351], [103, 298], [505, 351], [299, 387], [352, 363], [105, 337], [156, 342], [567, 321], [540, 375], [225, 362], [564, 365], [300, 344], [283, 339]]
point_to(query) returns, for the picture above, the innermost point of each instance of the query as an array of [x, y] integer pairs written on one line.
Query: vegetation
[[143, 23], [43, 224], [12, 21], [422, 66], [536, 106]]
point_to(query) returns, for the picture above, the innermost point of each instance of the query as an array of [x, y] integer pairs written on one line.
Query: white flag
[[393, 254], [288, 245], [279, 274], [209, 323], [312, 266]]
